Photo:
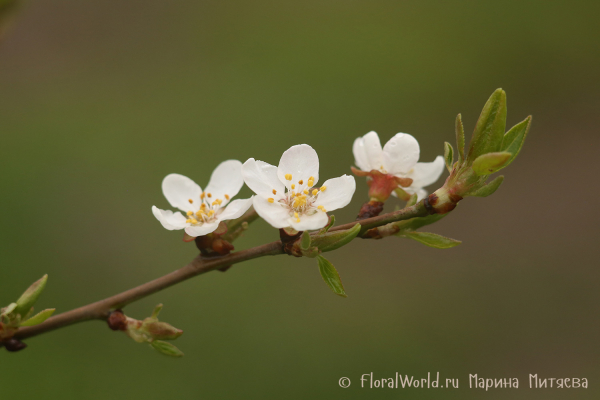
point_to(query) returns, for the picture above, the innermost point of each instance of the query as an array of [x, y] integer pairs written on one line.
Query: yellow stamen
[[271, 200], [296, 214], [297, 219], [226, 197], [323, 188], [211, 212], [321, 208], [288, 177], [305, 191], [191, 201], [299, 201], [315, 191], [209, 195], [300, 181], [203, 205], [203, 195], [274, 191], [194, 221], [190, 213], [293, 186], [199, 214], [187, 221]]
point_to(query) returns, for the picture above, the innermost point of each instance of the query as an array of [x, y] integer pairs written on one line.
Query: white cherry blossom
[[288, 195], [399, 158], [203, 209]]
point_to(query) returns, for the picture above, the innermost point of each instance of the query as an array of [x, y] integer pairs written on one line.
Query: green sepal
[[448, 156], [515, 137], [166, 348], [8, 309], [39, 317], [305, 241], [491, 162], [489, 130], [413, 200], [30, 296], [432, 239], [331, 276], [156, 311], [327, 227], [460, 138], [487, 189], [334, 240]]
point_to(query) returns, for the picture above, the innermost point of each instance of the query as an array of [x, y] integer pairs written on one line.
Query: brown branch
[[101, 309]]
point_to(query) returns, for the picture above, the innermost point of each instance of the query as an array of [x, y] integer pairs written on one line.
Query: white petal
[[300, 161], [262, 179], [201, 230], [338, 193], [360, 154], [424, 174], [400, 154], [310, 222], [274, 213], [226, 179], [169, 219], [179, 190], [373, 150], [235, 209]]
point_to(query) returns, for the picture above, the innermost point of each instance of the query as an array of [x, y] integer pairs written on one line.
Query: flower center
[[300, 198], [208, 209]]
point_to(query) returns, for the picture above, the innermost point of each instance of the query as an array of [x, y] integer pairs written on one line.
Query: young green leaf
[[305, 241], [491, 162], [489, 130], [514, 138], [30, 296], [39, 317], [413, 200], [331, 276], [156, 311], [460, 138], [166, 348], [334, 240], [329, 225], [448, 156], [433, 239], [489, 188]]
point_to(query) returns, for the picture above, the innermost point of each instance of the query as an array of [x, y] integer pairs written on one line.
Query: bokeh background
[[100, 100]]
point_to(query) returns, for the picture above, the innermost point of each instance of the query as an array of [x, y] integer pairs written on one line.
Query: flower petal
[[301, 162], [262, 179], [360, 154], [226, 179], [373, 150], [424, 174], [338, 193], [275, 214], [169, 219], [235, 209], [201, 230], [400, 154], [310, 222], [179, 190]]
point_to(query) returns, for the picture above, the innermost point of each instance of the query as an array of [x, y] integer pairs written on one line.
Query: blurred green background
[[100, 100]]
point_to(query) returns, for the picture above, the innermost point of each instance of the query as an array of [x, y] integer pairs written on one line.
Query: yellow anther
[[203, 195], [194, 221], [203, 205], [209, 195], [271, 200], [190, 213], [191, 201], [299, 201], [199, 214], [311, 181], [226, 197], [323, 188], [288, 177], [297, 219], [217, 202], [305, 191], [321, 208], [300, 181], [274, 191], [296, 214], [188, 221], [293, 186], [315, 191], [211, 212], [292, 195]]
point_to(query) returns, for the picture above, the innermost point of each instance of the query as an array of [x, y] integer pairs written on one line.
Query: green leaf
[[412, 201], [491, 162], [515, 137], [460, 138], [30, 296], [489, 130], [334, 240], [8, 309], [156, 311], [489, 188], [305, 241], [331, 276], [329, 225], [448, 156], [433, 239], [166, 348], [39, 317]]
